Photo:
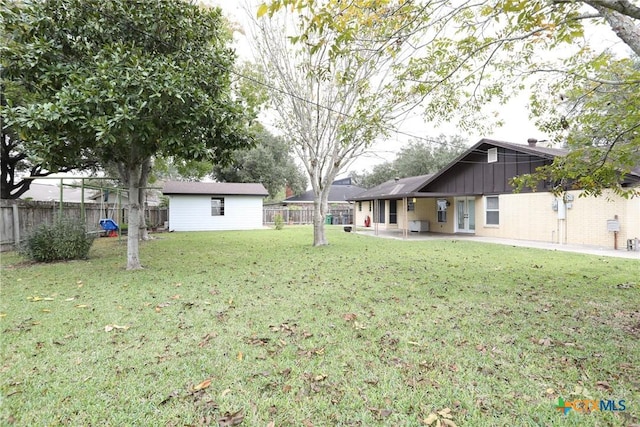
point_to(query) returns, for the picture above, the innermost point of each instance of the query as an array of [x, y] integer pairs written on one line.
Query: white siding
[[193, 213]]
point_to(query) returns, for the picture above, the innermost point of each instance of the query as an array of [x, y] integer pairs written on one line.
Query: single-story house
[[51, 192], [340, 193], [200, 206], [472, 194], [298, 209]]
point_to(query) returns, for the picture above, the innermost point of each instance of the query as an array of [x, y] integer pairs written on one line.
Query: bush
[[279, 222], [62, 240]]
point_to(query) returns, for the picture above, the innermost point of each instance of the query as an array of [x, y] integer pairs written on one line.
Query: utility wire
[[284, 92]]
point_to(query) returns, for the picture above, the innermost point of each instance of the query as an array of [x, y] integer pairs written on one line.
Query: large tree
[[269, 162], [418, 157], [131, 80], [19, 165], [462, 56], [329, 107]]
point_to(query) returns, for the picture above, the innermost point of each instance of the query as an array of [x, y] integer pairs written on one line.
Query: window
[[492, 155], [359, 206], [442, 210], [370, 204], [492, 208], [217, 206]]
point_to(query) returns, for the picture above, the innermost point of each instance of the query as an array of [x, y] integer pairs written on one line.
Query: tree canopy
[[127, 80], [416, 158], [270, 162], [458, 58], [329, 107]]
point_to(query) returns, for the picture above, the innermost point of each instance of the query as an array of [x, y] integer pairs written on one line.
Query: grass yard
[[364, 332]]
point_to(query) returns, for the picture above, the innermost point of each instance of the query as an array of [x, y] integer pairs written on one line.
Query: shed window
[[217, 206], [492, 210], [359, 206], [442, 210], [492, 155]]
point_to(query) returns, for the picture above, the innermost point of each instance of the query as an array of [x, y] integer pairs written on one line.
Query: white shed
[[203, 206]]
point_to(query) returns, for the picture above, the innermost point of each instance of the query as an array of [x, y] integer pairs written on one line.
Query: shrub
[[62, 240], [279, 222]]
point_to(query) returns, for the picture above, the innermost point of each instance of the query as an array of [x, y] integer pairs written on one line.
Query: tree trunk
[[319, 236], [320, 210], [133, 257], [624, 26], [144, 179]]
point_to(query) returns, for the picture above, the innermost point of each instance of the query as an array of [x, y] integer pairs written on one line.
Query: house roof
[[337, 194], [214, 188], [432, 185], [51, 192], [394, 188]]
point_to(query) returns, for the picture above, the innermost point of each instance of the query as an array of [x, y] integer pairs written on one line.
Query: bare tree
[[330, 107]]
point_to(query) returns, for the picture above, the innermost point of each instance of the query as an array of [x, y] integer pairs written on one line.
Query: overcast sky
[[517, 126]]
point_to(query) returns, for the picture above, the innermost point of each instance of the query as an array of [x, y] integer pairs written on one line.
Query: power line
[[131, 25]]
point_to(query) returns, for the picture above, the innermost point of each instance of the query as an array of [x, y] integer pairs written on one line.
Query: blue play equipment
[[110, 226]]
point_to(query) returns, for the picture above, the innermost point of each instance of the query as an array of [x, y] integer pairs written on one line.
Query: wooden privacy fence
[[303, 215], [19, 217]]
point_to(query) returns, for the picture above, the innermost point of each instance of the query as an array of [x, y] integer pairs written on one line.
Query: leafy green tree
[[417, 158], [130, 80], [598, 120], [269, 163], [18, 165], [461, 56]]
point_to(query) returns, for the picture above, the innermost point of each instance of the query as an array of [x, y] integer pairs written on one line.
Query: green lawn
[[363, 332]]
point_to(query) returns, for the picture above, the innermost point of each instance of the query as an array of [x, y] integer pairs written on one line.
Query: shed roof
[[214, 188]]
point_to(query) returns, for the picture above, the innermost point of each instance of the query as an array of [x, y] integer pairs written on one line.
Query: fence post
[[16, 224]]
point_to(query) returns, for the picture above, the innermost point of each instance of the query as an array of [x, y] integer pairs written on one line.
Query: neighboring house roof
[[394, 188], [51, 192], [339, 193], [214, 188]]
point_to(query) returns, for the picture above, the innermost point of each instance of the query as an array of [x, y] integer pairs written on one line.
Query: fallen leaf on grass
[[37, 298], [603, 385], [159, 307], [176, 296], [546, 342], [440, 418], [231, 419], [431, 418], [350, 317], [82, 306], [206, 338], [172, 395], [110, 328], [240, 356], [307, 422], [204, 384]]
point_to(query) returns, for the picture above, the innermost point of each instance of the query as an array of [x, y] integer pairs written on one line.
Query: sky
[[517, 125], [517, 128]]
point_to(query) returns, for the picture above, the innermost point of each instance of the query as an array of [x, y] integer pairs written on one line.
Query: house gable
[[475, 172]]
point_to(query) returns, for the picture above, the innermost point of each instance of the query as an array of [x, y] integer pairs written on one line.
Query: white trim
[[486, 210], [492, 155]]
